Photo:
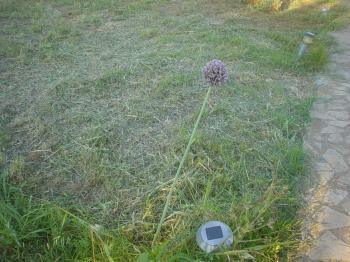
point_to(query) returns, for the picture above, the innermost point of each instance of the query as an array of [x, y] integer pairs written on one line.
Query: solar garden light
[[214, 235], [308, 39], [325, 10]]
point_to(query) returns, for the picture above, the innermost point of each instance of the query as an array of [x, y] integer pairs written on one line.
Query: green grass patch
[[33, 230]]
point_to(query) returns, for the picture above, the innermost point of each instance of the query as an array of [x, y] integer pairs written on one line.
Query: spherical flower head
[[215, 72]]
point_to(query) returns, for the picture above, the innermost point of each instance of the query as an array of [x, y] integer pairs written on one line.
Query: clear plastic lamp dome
[[214, 235]]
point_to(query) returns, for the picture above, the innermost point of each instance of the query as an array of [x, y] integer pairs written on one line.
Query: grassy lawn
[[97, 102]]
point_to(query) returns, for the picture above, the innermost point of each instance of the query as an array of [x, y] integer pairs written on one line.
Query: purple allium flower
[[215, 72]]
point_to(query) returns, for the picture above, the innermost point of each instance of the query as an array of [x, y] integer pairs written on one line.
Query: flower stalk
[[215, 73], [184, 157]]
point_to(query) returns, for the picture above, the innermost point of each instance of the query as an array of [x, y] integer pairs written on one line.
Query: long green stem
[[184, 157]]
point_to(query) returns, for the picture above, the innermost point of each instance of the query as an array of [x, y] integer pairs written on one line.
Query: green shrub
[[270, 5]]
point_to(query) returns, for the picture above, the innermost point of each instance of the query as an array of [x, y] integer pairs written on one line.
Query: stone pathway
[[328, 142]]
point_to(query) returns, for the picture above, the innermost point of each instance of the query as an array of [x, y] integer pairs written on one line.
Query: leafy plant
[[270, 5]]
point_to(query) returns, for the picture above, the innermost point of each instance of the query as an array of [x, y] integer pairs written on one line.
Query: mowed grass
[[98, 99]]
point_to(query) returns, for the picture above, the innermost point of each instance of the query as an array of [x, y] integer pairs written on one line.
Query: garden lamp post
[[308, 39], [325, 10]]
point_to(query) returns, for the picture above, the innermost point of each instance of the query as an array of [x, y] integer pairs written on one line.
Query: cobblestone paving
[[328, 141]]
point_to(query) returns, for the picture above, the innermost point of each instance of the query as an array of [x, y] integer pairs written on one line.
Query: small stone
[[339, 102], [319, 107], [330, 130], [335, 196], [317, 145], [339, 86], [317, 137], [325, 96], [343, 181], [336, 107], [320, 115], [339, 93], [334, 138], [342, 234], [345, 85], [342, 149], [329, 247], [346, 207], [321, 81], [322, 166], [340, 115], [335, 160], [325, 176], [308, 147], [339, 123], [328, 218]]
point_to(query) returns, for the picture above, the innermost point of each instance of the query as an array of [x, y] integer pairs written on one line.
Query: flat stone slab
[[325, 176], [334, 196], [322, 166], [312, 148], [339, 123], [346, 207], [336, 160], [343, 181], [335, 138], [331, 130], [321, 115], [329, 247], [336, 107], [347, 140], [328, 218], [340, 115], [340, 93]]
